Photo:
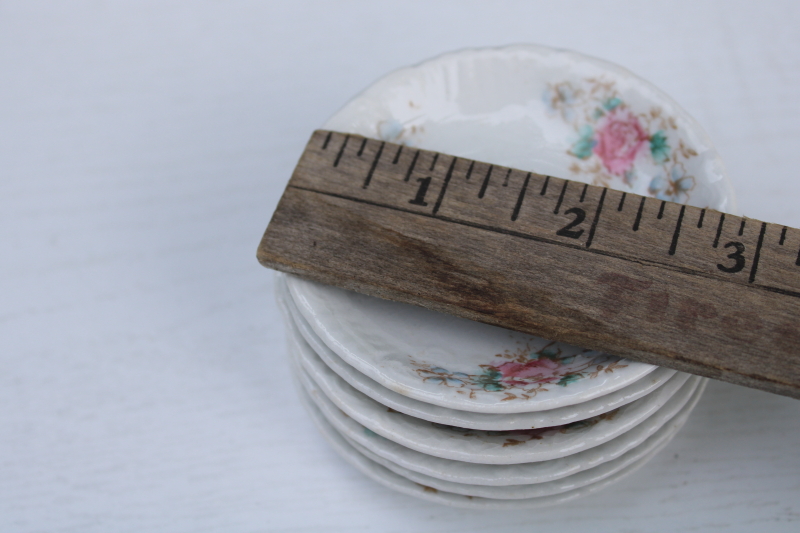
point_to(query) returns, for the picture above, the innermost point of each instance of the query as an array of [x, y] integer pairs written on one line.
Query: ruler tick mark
[[596, 217], [544, 187], [741, 228], [341, 151], [661, 210], [469, 170], [327, 140], [363, 144], [561, 198], [374, 164], [719, 229], [700, 220], [783, 236], [674, 245], [505, 181], [485, 182], [639, 214], [413, 164], [433, 163], [622, 201], [397, 155], [444, 185], [521, 196], [583, 193], [757, 255]]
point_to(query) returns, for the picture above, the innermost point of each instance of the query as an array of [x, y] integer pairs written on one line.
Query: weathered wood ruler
[[688, 288]]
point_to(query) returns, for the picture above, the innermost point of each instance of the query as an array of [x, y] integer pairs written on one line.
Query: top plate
[[549, 111], [532, 108]]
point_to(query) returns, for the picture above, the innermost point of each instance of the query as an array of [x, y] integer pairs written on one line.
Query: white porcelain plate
[[537, 490], [488, 447], [390, 478], [494, 474], [322, 355], [533, 108], [456, 363], [554, 112]]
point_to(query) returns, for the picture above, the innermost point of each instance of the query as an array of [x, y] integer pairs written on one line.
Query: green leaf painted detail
[[611, 103], [582, 149], [569, 378], [659, 147]]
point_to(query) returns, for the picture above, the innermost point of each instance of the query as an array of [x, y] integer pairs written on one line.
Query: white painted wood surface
[[143, 147]]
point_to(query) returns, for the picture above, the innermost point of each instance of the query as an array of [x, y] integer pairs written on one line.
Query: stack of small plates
[[469, 414], [473, 415]]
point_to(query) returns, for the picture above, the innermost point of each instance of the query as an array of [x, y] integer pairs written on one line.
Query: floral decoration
[[522, 374], [614, 142]]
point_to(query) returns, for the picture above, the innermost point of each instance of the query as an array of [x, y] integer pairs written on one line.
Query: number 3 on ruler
[[736, 256]]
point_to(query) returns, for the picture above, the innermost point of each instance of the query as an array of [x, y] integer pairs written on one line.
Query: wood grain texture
[[677, 286]]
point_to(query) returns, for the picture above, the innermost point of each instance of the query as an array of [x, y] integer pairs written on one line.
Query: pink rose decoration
[[619, 139], [542, 370]]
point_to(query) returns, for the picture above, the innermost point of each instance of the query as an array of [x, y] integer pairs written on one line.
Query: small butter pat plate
[[536, 490], [555, 112], [453, 362], [478, 446], [454, 417], [493, 474], [395, 481], [533, 108]]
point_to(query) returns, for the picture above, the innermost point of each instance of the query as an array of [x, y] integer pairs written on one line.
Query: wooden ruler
[[688, 288]]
